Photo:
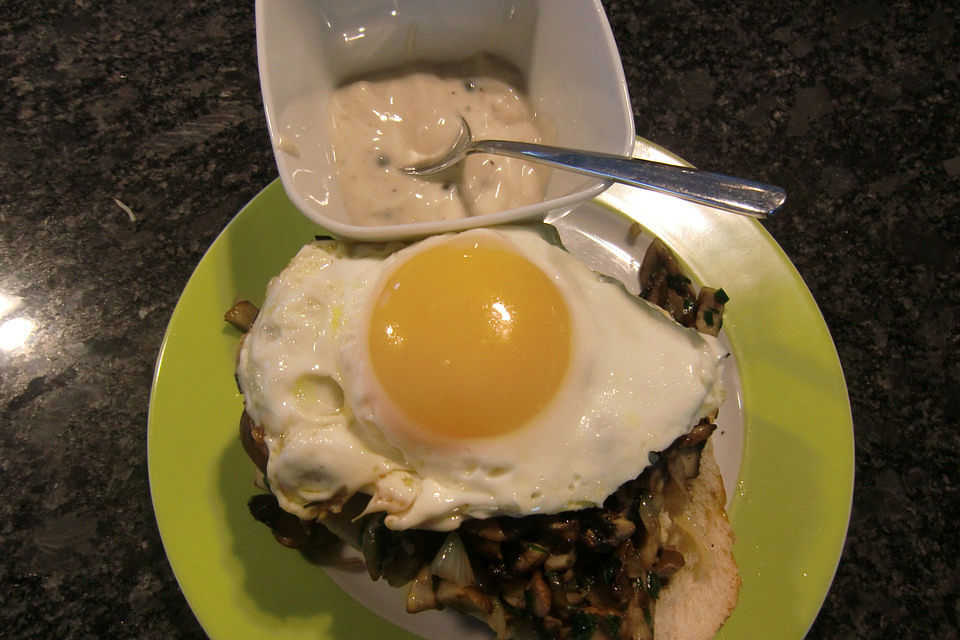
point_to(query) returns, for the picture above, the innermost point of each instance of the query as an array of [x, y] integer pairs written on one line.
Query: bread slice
[[700, 596]]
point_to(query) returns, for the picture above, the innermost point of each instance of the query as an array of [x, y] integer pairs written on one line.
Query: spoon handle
[[737, 195]]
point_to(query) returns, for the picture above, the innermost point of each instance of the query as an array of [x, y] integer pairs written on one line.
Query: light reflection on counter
[[15, 333]]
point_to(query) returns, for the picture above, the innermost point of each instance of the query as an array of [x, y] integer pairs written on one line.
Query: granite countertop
[[133, 132]]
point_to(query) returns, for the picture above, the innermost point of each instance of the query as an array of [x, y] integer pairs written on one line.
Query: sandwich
[[554, 479]]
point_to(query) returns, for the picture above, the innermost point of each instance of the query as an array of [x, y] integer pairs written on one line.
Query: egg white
[[636, 381]]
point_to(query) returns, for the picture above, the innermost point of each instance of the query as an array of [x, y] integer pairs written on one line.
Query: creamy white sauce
[[411, 116]]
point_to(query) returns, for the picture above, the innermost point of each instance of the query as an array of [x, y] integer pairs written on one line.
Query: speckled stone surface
[[133, 132]]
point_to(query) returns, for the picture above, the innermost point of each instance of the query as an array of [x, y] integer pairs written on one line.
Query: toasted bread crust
[[698, 599]]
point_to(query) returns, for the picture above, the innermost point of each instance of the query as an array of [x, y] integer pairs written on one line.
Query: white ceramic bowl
[[564, 49]]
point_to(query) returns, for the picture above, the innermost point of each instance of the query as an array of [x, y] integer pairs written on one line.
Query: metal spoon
[[736, 195]]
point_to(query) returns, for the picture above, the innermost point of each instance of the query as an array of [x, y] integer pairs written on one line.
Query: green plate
[[790, 507]]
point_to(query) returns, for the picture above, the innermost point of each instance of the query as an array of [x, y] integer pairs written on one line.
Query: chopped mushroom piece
[[560, 561], [558, 594], [656, 290], [652, 263], [288, 529], [466, 599], [488, 529], [562, 530], [533, 555], [242, 315], [540, 596], [662, 282], [709, 315], [402, 558], [251, 437], [697, 435], [513, 596], [681, 307], [669, 562], [608, 532], [552, 626], [421, 595], [489, 549], [371, 545]]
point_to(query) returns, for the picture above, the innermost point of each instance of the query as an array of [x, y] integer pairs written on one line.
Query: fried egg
[[464, 376]]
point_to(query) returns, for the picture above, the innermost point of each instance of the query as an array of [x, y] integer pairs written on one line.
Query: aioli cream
[[411, 116]]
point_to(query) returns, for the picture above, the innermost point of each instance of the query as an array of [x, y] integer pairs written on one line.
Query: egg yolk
[[469, 339]]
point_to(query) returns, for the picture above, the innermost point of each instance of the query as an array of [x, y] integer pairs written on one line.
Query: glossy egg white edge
[[600, 238]]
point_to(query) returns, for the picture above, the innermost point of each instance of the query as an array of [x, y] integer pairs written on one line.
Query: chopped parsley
[[721, 296], [535, 547]]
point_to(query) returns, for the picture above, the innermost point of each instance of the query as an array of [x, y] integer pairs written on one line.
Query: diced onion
[[649, 508], [452, 563]]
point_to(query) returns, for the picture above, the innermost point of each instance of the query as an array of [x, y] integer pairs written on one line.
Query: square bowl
[[564, 50]]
